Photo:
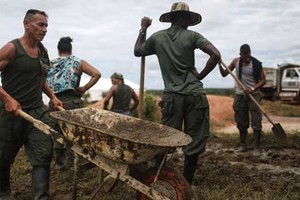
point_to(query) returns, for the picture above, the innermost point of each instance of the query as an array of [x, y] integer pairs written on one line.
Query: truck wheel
[[169, 183]]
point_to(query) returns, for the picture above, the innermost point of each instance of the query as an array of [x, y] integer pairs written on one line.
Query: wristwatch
[[252, 89], [142, 32]]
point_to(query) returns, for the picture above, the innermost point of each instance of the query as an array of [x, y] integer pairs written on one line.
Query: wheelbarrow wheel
[[169, 183]]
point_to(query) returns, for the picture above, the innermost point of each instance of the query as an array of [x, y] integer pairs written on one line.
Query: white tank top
[[247, 77]]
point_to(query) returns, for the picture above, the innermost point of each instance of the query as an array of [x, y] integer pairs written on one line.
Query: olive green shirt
[[121, 99], [175, 48]]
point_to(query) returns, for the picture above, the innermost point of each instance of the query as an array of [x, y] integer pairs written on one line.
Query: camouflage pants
[[247, 111]]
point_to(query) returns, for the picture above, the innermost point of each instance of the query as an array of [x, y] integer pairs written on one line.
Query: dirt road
[[289, 124], [222, 115]]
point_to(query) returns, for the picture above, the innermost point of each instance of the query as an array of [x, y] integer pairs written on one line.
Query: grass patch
[[281, 109]]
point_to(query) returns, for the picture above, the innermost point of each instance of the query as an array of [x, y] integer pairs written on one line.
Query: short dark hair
[[64, 44], [245, 48], [32, 12]]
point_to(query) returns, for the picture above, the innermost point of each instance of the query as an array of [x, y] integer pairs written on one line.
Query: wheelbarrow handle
[[101, 161], [42, 126], [60, 108], [28, 117]]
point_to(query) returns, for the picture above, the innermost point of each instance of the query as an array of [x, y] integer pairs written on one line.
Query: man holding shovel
[[249, 71], [23, 66], [184, 102]]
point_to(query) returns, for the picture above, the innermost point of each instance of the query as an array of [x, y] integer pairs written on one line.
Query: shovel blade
[[278, 130]]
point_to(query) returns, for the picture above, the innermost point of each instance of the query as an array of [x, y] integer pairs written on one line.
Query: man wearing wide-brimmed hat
[[184, 102]]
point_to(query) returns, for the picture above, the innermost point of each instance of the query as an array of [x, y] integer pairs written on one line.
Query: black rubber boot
[[190, 166], [5, 192], [243, 136], [257, 138], [40, 183]]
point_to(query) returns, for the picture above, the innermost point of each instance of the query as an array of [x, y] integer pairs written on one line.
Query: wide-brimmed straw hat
[[181, 7]]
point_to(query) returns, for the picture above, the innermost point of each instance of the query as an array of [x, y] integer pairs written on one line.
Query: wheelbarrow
[[113, 141]]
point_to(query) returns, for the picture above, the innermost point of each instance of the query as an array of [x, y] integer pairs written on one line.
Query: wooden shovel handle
[[250, 95], [141, 94]]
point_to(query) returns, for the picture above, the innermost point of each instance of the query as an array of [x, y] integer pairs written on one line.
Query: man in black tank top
[[122, 95], [23, 64]]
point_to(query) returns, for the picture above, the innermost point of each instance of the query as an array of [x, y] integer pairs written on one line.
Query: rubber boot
[[190, 166], [40, 183], [257, 138], [243, 136], [5, 192]]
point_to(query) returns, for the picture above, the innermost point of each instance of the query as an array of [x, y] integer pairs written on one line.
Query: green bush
[[150, 107]]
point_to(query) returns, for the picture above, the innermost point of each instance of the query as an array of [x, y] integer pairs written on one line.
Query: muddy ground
[[223, 172]]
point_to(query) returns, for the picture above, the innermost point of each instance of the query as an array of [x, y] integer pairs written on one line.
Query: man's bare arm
[[262, 81], [47, 90], [135, 100], [7, 52], [109, 94], [214, 57], [145, 23], [92, 72], [224, 72]]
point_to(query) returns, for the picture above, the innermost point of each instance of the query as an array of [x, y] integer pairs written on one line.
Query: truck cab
[[269, 90], [289, 82]]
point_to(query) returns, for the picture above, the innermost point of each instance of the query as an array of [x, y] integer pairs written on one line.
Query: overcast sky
[[104, 32]]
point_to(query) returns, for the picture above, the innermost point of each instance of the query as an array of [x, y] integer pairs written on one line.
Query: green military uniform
[[184, 102], [21, 79]]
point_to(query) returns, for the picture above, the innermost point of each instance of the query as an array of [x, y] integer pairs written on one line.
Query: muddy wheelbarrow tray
[[112, 141], [118, 137]]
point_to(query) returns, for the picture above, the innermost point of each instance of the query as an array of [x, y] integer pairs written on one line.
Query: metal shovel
[[277, 128]]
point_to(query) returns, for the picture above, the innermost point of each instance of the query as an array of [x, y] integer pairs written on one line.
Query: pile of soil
[[221, 112]]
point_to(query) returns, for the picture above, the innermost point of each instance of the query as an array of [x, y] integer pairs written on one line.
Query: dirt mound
[[220, 108], [221, 112]]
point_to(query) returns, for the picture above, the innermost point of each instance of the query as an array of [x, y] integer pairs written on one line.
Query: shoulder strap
[[19, 47], [240, 69]]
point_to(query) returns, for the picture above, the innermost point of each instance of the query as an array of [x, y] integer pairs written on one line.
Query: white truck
[[283, 83]]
